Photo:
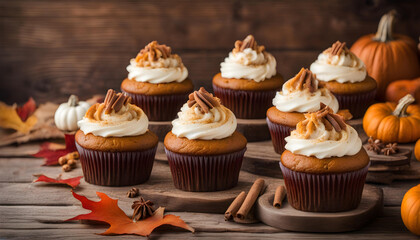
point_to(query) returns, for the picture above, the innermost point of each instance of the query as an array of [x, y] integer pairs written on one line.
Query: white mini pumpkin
[[69, 113]]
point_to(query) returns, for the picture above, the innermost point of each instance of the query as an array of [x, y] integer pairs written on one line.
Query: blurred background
[[51, 49]]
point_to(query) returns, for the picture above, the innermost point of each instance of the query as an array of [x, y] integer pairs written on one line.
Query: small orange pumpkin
[[410, 210], [398, 89], [388, 56], [417, 150], [390, 122]]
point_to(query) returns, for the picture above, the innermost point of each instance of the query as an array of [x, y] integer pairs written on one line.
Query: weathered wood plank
[[19, 171], [388, 226], [58, 74], [47, 217], [52, 217], [83, 47], [14, 184], [193, 24]]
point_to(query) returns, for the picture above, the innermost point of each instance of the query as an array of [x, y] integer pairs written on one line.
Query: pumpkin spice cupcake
[[247, 81], [115, 146], [157, 82], [204, 149], [344, 74], [299, 95], [324, 165]]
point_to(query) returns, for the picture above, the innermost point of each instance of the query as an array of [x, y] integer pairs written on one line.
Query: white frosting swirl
[[161, 71], [191, 123], [248, 64], [129, 121], [346, 67], [325, 144], [304, 101]]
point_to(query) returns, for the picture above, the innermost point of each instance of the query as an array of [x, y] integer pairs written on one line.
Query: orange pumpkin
[[417, 150], [390, 122], [398, 89], [410, 210], [387, 56]]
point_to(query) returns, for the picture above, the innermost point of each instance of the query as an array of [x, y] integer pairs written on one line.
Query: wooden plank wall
[[50, 49]]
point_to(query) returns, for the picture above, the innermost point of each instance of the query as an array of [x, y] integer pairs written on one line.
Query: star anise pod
[[375, 145], [389, 149], [132, 193], [142, 209]]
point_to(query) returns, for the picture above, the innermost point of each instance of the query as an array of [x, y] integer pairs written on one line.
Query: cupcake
[[115, 146], [344, 74], [247, 81], [157, 82], [299, 95], [204, 149], [324, 165]]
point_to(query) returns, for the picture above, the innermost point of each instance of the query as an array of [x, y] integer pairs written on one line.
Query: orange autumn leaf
[[107, 210], [9, 118]]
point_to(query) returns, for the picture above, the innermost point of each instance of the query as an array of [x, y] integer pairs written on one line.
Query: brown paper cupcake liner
[[116, 168], [205, 173], [246, 104], [357, 104], [333, 192], [159, 107], [278, 132]]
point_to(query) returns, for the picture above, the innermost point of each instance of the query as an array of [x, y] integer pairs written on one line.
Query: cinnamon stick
[[234, 206], [279, 196], [250, 199]]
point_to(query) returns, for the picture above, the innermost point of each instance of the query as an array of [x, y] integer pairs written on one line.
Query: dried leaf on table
[[72, 182], [43, 129], [107, 210], [51, 152], [27, 109], [10, 119], [46, 132]]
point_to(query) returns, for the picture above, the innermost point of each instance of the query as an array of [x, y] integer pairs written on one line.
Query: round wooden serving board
[[288, 218], [260, 157]]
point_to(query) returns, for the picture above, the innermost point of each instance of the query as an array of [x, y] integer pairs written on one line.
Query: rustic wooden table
[[36, 211]]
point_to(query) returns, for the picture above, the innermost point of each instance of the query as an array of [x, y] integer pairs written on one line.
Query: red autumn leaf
[[27, 109], [72, 182], [51, 152], [107, 210]]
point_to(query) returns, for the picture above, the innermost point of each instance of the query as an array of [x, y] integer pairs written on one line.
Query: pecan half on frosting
[[153, 51], [203, 100], [305, 79], [326, 116], [337, 48], [115, 101], [248, 42]]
